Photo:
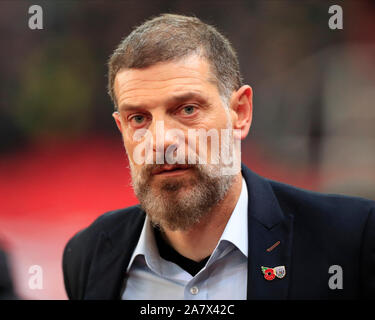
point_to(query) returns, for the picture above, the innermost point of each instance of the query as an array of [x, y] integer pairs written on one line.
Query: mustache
[[150, 169]]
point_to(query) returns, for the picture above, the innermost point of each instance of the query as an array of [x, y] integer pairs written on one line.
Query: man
[[203, 229]]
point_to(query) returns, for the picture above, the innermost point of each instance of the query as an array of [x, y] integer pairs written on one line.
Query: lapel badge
[[271, 273]]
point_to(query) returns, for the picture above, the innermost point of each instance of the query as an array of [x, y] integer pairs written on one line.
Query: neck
[[200, 241]]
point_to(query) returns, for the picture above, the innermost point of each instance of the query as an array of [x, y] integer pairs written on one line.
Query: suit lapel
[[112, 255], [268, 228]]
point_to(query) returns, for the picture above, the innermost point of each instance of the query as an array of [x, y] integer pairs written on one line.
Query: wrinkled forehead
[[192, 73]]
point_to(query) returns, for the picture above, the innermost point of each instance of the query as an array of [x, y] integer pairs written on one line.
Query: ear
[[116, 115], [242, 110]]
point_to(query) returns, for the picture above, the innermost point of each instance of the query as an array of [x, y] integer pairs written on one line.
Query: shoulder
[[308, 205], [80, 249], [297, 199], [107, 222], [331, 216]]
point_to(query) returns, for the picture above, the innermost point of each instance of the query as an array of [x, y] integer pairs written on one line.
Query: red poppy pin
[[271, 273]]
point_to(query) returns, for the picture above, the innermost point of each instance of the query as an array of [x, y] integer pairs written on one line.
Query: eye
[[190, 109], [137, 119]]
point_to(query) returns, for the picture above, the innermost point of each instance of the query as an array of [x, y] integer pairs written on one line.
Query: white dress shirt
[[224, 277]]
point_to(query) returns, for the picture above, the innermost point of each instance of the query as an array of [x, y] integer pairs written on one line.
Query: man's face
[[176, 95]]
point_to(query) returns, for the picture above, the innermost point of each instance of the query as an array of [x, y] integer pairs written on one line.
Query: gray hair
[[170, 37]]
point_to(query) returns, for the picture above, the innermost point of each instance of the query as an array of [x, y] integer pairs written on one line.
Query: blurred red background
[[62, 163]]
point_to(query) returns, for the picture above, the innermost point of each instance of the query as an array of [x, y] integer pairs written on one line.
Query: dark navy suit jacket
[[316, 231]]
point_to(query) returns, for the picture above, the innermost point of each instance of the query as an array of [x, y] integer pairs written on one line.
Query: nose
[[168, 141]]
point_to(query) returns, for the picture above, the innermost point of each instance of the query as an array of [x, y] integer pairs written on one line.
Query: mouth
[[171, 170]]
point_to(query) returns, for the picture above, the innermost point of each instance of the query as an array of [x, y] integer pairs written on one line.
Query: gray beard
[[180, 203]]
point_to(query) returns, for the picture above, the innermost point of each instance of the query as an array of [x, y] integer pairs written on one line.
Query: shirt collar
[[234, 232], [146, 246], [236, 228]]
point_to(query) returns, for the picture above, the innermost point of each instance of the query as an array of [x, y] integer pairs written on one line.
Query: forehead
[[154, 83]]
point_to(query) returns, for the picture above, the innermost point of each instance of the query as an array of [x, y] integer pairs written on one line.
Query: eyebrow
[[175, 99]]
